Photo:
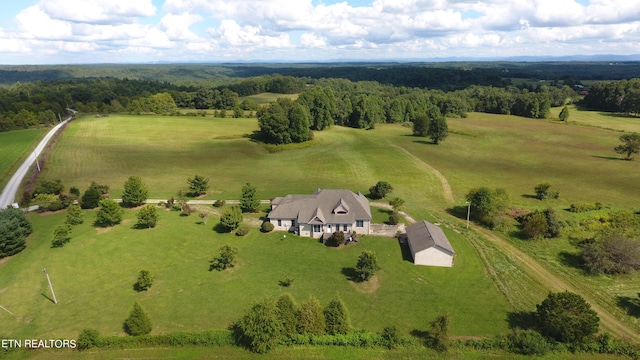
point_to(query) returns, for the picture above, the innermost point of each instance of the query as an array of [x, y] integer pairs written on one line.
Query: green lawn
[[14, 146], [93, 279], [601, 119]]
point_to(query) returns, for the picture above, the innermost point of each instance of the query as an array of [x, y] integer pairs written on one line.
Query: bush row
[[584, 207], [358, 338], [203, 338]]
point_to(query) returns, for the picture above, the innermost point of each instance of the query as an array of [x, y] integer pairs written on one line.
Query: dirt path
[[408, 217], [448, 194]]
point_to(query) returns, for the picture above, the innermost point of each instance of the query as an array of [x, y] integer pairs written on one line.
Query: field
[[14, 145], [482, 150], [265, 98]]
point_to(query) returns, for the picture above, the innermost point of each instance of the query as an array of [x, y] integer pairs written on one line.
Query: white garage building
[[429, 245]]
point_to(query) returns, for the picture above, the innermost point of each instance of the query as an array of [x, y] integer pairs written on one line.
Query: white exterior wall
[[285, 224], [364, 230], [305, 230], [432, 257]]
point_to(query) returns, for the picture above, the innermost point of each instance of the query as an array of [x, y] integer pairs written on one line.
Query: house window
[[344, 227], [359, 223], [279, 222], [317, 228]]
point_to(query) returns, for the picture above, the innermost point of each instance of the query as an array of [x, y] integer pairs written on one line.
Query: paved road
[[9, 193]]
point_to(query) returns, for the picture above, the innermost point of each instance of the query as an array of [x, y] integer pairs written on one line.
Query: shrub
[[219, 203], [147, 216], [260, 329], [53, 187], [527, 342], [336, 239], [231, 218], [615, 254], [266, 227], [390, 337], [584, 207], [311, 320], [145, 280], [61, 235], [394, 218], [74, 215], [542, 192], [439, 335], [138, 322], [488, 205], [87, 339], [198, 185], [243, 230], [337, 318], [110, 213], [91, 198]]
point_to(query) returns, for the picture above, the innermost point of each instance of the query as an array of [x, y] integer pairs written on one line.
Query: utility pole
[[55, 301], [37, 163]]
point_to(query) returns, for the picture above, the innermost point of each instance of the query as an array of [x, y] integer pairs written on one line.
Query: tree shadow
[[629, 304], [529, 196], [610, 157], [458, 211], [571, 260], [424, 142], [522, 320], [221, 229], [140, 227], [351, 274], [421, 334]]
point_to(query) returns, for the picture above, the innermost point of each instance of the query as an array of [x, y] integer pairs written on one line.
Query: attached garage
[[429, 245]]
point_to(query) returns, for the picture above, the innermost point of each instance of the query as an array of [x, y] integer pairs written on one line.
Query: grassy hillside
[[14, 146]]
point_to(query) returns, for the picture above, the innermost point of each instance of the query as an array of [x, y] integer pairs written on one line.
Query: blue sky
[[119, 31]]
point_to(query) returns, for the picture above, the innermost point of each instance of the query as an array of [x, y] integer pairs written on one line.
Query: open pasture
[[265, 98], [601, 119], [14, 145], [93, 277]]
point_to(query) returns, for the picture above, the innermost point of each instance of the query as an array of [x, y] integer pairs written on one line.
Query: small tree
[[630, 145], [14, 229], [226, 259], [564, 114], [138, 322], [260, 329], [287, 311], [534, 225], [567, 317], [198, 185], [148, 216], [380, 190], [367, 265], [440, 333], [390, 337], [488, 205], [110, 213], [61, 235], [87, 339], [310, 318], [542, 192], [53, 187], [249, 201], [135, 192], [337, 318], [91, 198], [74, 215], [396, 203], [231, 218], [420, 125], [438, 129], [145, 280]]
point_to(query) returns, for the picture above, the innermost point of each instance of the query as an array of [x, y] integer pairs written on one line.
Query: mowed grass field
[[14, 146], [93, 277], [265, 98]]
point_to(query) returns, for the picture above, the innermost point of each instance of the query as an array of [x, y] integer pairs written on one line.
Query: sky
[[141, 31]]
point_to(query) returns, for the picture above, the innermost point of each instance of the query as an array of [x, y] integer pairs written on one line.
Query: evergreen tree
[[138, 322], [337, 318], [260, 329], [74, 215], [14, 229], [148, 216], [61, 235], [564, 114], [198, 185], [231, 218], [287, 315], [367, 265], [310, 318], [93, 195], [109, 214], [135, 192], [249, 201], [226, 259]]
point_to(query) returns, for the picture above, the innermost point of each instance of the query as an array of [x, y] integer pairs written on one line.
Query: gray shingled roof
[[321, 206], [423, 235]]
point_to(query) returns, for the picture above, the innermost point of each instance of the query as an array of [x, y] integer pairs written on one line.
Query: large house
[[322, 212], [429, 245]]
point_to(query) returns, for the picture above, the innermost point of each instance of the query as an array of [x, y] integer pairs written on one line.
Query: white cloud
[[177, 26], [312, 40], [98, 11], [35, 23]]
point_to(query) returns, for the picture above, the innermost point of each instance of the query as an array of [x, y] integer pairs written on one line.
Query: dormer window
[[341, 208]]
